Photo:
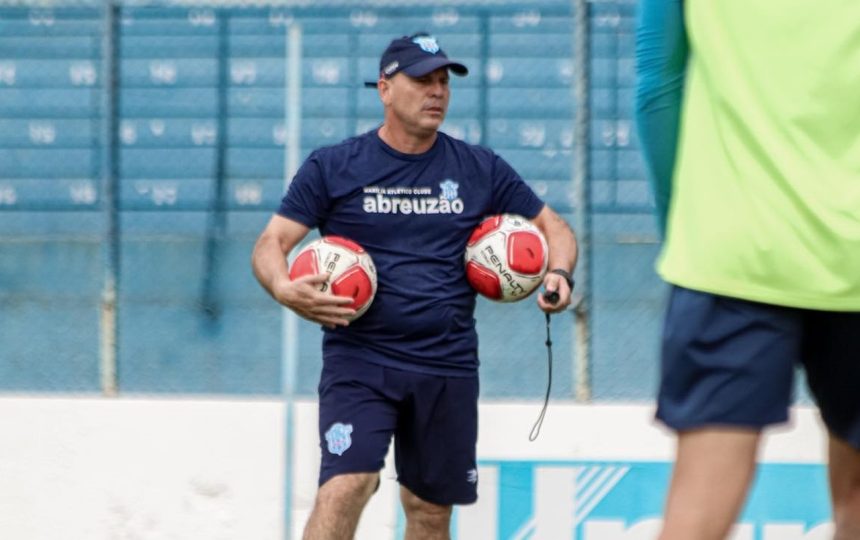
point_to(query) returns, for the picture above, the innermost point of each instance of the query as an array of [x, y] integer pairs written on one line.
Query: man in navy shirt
[[408, 368]]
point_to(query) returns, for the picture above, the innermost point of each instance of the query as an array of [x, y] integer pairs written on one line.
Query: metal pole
[[483, 82], [581, 173], [289, 321], [110, 200], [216, 225]]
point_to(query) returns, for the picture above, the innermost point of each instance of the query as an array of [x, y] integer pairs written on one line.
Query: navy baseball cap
[[415, 55]]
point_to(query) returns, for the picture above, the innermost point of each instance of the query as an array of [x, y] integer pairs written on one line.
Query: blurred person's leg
[[712, 473], [831, 358], [845, 488], [727, 372], [425, 520], [338, 506]]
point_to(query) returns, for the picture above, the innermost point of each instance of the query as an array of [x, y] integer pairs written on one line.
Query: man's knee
[[419, 510], [347, 489]]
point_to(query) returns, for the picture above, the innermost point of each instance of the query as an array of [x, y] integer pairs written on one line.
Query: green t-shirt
[[765, 199]]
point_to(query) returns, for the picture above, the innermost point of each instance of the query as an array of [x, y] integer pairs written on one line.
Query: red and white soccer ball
[[350, 268], [506, 258]]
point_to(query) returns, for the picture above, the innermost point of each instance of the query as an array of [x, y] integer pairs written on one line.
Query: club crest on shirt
[[427, 44], [449, 189], [338, 438]]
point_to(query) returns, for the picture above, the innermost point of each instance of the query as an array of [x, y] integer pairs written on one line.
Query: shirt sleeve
[[511, 194], [661, 60], [307, 200]]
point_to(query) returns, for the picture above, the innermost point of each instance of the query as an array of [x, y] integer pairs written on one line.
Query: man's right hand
[[303, 296]]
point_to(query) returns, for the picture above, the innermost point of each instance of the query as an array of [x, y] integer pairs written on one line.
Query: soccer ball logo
[[350, 268], [506, 258]]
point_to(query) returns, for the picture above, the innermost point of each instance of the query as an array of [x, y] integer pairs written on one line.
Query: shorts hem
[[438, 500], [689, 425], [323, 479]]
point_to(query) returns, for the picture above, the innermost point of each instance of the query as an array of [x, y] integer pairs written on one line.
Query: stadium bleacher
[[181, 68]]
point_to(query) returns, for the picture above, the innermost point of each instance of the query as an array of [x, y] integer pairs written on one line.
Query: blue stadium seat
[[168, 132], [456, 45], [260, 72], [169, 72], [30, 73], [530, 103], [530, 72], [604, 102], [47, 163], [270, 72], [603, 163], [268, 45], [557, 193], [166, 163], [536, 44], [613, 133], [319, 102], [444, 22], [176, 22], [271, 132], [626, 44], [604, 72], [633, 193], [144, 46], [604, 45], [255, 162], [273, 22], [630, 165], [626, 103], [44, 23], [466, 129], [175, 194], [167, 102], [50, 194], [48, 133], [613, 16], [530, 21], [326, 72], [626, 76], [54, 48], [256, 193], [519, 133], [602, 193], [539, 164]]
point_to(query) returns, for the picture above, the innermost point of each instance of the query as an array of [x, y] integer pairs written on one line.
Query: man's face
[[418, 104]]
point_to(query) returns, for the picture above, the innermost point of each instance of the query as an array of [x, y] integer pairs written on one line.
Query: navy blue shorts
[[433, 419], [731, 362]]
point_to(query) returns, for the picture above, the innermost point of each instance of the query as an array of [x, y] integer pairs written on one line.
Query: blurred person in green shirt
[[749, 117]]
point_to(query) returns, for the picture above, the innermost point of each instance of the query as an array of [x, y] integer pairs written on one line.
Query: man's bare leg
[[425, 520], [713, 471], [844, 472], [338, 506]]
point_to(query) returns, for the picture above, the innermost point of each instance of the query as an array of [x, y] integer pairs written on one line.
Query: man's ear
[[384, 89]]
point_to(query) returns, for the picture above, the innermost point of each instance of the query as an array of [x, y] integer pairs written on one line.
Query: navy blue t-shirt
[[413, 213]]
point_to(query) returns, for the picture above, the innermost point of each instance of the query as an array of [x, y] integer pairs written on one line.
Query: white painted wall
[[123, 469], [147, 469]]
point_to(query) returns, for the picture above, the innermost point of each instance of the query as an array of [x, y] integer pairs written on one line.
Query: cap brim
[[428, 66], [419, 69]]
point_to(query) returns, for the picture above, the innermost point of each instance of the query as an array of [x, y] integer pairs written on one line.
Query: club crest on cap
[[427, 43]]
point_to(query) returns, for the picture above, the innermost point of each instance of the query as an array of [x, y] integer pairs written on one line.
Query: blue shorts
[[731, 362], [433, 419]]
